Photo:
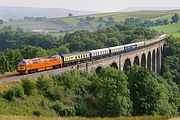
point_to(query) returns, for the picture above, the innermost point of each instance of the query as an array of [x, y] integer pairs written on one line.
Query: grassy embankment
[[81, 118]]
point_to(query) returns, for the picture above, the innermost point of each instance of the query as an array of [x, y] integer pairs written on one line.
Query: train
[[27, 66]]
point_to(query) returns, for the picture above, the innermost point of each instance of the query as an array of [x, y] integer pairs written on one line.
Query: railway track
[[80, 66], [15, 78]]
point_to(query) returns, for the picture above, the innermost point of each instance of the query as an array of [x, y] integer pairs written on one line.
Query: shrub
[[37, 113], [54, 93], [83, 109], [43, 83], [63, 110], [13, 93], [28, 86]]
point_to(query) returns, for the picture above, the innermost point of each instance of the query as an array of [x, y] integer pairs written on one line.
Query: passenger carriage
[[73, 58], [116, 50], [99, 53]]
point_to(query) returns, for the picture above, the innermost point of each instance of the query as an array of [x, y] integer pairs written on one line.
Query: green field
[[173, 29], [32, 25]]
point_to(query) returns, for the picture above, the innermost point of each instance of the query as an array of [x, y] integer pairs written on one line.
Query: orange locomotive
[[39, 64]]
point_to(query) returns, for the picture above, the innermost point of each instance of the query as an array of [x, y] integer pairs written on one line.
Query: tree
[[175, 18], [112, 42], [32, 52], [28, 86], [159, 22], [151, 94], [63, 49], [166, 21], [1, 21], [114, 95], [111, 19], [7, 28], [89, 18], [4, 64], [70, 15], [100, 19], [19, 29], [100, 26]]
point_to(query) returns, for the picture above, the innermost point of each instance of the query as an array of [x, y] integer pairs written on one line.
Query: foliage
[[64, 110], [175, 18], [1, 21], [28, 86], [14, 93], [151, 94], [146, 23], [114, 95], [37, 113], [70, 15], [108, 93], [33, 52]]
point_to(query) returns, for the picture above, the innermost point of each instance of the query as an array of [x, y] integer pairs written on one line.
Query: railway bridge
[[149, 57]]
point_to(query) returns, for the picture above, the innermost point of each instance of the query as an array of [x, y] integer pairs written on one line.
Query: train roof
[[98, 50], [129, 44], [116, 47], [38, 58], [71, 54]]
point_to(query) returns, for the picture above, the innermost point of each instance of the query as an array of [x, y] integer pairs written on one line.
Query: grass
[[171, 28], [4, 87], [3, 117], [70, 20], [177, 35], [27, 106], [32, 25]]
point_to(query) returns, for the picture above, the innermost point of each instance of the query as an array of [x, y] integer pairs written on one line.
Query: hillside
[[120, 16], [32, 25], [91, 22], [11, 12], [173, 29]]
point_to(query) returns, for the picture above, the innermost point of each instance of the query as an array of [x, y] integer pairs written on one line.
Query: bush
[[63, 110], [13, 93], [54, 93], [44, 83], [37, 113], [84, 109], [28, 86]]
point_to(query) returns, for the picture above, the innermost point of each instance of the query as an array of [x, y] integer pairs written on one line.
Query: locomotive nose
[[21, 67]]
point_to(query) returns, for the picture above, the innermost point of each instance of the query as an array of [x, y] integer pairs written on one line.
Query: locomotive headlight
[[21, 67]]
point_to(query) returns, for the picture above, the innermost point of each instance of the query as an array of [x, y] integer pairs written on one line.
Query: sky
[[91, 5]]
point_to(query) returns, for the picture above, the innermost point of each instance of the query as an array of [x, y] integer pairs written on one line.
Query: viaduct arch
[[149, 57]]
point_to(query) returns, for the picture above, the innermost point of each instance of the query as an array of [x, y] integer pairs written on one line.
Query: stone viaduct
[[149, 57]]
